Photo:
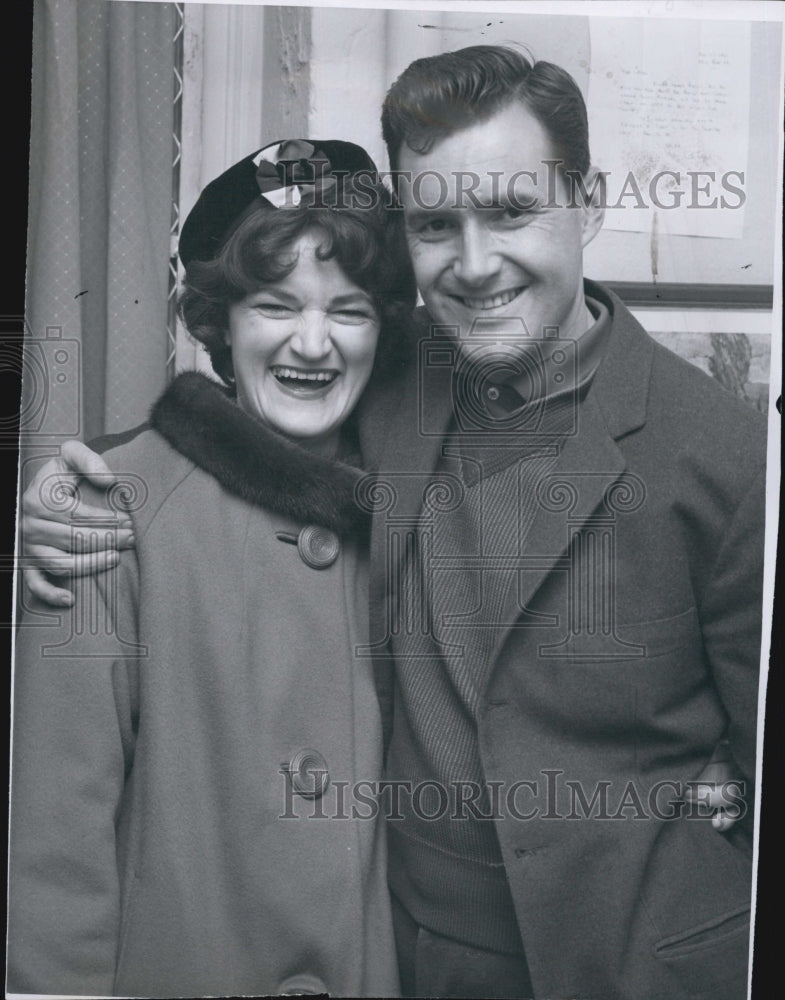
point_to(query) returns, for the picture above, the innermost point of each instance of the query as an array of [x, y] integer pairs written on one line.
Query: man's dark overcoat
[[656, 507]]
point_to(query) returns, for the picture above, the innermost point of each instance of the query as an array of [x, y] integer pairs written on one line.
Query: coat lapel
[[590, 462], [403, 458]]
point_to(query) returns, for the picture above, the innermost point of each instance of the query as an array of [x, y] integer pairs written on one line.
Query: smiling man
[[573, 600], [565, 585], [506, 247]]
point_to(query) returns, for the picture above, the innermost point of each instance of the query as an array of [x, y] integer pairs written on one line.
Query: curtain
[[101, 182]]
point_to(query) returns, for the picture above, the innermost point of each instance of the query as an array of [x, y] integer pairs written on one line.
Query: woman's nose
[[312, 337]]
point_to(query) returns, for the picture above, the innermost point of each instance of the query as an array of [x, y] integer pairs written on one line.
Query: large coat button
[[318, 547], [303, 984], [308, 773]]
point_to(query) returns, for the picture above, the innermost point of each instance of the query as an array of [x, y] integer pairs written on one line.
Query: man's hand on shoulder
[[46, 535]]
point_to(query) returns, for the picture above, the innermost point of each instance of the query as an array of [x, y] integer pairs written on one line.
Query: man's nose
[[311, 340], [477, 259]]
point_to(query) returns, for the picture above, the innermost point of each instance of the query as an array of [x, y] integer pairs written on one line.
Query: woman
[[185, 739]]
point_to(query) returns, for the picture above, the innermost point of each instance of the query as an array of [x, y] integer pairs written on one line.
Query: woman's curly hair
[[364, 235]]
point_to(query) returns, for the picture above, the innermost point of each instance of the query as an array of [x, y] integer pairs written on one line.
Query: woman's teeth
[[493, 301], [320, 377]]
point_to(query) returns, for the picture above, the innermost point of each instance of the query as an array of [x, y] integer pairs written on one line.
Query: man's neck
[[559, 368]]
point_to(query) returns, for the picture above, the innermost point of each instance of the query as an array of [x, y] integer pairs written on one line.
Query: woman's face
[[303, 347]]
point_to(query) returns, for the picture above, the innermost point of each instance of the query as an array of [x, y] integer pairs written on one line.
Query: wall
[[269, 71]]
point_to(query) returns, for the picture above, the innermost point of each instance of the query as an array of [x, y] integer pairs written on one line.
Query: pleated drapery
[[100, 210]]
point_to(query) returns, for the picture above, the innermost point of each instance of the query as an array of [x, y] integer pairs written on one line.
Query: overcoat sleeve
[[730, 616], [74, 719]]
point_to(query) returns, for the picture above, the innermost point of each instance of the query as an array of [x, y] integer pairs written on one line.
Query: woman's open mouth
[[304, 381]]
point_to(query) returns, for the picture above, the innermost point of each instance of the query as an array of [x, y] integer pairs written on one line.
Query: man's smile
[[494, 301]]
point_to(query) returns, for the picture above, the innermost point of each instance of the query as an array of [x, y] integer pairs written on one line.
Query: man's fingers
[[722, 820], [39, 531], [40, 497], [717, 793], [45, 591], [707, 796], [53, 494], [96, 562], [57, 563], [718, 772], [78, 458]]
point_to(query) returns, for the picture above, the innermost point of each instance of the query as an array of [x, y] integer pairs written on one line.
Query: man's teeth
[[303, 376], [492, 301]]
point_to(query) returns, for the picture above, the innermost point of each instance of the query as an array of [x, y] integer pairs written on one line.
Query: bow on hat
[[286, 173], [292, 173]]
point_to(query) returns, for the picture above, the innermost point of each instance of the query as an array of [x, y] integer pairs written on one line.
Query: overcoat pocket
[[631, 643], [710, 954]]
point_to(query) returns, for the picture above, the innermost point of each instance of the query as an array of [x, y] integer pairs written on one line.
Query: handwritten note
[[668, 119]]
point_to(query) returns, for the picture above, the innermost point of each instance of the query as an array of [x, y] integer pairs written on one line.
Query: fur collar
[[199, 419]]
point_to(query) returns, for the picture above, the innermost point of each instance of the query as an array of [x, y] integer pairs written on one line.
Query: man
[[566, 573]]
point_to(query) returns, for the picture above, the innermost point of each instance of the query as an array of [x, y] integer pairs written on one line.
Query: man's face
[[499, 251]]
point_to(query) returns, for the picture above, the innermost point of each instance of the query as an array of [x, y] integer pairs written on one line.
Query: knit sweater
[[449, 874]]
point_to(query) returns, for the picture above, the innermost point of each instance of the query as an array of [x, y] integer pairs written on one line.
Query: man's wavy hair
[[439, 95], [367, 243]]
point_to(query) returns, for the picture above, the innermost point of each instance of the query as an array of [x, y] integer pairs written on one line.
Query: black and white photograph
[[397, 515]]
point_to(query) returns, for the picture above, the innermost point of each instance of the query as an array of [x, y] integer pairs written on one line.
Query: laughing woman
[[186, 741]]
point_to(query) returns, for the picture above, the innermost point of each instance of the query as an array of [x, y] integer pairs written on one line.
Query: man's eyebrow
[[522, 197], [422, 212], [523, 201], [501, 201]]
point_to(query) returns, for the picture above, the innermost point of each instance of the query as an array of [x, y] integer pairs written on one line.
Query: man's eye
[[434, 228], [275, 308], [512, 214], [436, 225]]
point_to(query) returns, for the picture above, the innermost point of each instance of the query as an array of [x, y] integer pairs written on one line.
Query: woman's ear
[[592, 204]]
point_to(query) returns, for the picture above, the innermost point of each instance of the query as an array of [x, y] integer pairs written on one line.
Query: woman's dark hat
[[287, 173]]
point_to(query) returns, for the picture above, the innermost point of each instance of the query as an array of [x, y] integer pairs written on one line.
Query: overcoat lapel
[[590, 462], [404, 464]]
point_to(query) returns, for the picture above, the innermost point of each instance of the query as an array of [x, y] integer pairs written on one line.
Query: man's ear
[[594, 208]]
